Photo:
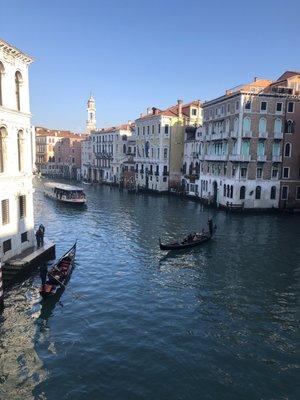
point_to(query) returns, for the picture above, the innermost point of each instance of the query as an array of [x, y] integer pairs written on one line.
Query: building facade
[[242, 140], [191, 160], [91, 115], [16, 157], [160, 145], [109, 152]]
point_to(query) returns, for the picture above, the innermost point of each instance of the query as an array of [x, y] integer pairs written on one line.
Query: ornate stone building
[[16, 153]]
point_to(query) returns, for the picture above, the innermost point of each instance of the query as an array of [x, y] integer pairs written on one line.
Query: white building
[[91, 115], [109, 152], [87, 159], [16, 156]]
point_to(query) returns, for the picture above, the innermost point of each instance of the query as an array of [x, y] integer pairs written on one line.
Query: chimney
[[255, 79], [154, 111], [179, 103]]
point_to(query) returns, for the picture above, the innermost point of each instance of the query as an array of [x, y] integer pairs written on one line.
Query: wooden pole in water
[[1, 288]]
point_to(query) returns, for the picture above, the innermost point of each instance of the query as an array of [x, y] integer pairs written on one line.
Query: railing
[[261, 158], [217, 157], [239, 157], [278, 135], [277, 158], [216, 136], [247, 134], [262, 135]]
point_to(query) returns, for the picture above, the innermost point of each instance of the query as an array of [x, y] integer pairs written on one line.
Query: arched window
[[257, 192], [184, 168], [191, 168], [228, 193], [20, 151], [124, 148], [287, 150], [262, 126], [278, 125], [246, 124], [242, 192], [231, 191], [236, 125], [2, 158], [224, 190], [273, 193], [289, 126], [1, 75], [18, 82], [197, 168]]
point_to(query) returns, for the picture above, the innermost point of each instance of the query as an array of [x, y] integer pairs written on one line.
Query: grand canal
[[218, 322]]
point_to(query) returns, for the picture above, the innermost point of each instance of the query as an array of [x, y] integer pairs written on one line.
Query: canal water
[[217, 322]]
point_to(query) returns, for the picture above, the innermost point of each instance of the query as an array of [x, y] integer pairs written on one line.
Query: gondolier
[[210, 226]]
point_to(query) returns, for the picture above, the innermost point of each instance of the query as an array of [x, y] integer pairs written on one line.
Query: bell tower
[[91, 115]]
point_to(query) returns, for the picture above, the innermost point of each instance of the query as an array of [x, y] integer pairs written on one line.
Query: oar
[[66, 287]]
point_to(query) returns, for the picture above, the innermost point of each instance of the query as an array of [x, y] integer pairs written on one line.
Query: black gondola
[[56, 279], [185, 244]]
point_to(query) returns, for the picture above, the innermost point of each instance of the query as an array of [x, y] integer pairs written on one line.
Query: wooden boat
[[56, 279], [65, 193], [185, 244]]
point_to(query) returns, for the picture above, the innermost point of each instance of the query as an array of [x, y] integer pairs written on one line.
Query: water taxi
[[65, 193]]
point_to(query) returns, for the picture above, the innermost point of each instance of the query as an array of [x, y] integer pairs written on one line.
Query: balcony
[[166, 173], [215, 157], [278, 135], [240, 157], [233, 134], [156, 173], [261, 158], [217, 136], [194, 154], [192, 177], [277, 158], [247, 134], [262, 135]]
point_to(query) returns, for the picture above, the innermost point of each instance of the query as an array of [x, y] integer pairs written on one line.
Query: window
[[246, 124], [286, 172], [2, 136], [237, 105], [243, 172], [18, 82], [248, 105], [236, 125], [274, 172], [73, 160], [284, 192], [263, 106], [261, 148], [290, 107], [24, 237], [1, 74], [158, 128], [262, 126], [278, 125], [5, 211], [6, 246], [278, 107], [148, 129], [273, 193], [152, 129], [259, 173], [287, 150], [257, 192], [298, 193], [194, 111], [165, 153], [224, 190], [143, 130], [289, 126], [20, 151], [166, 129], [22, 206], [242, 192]]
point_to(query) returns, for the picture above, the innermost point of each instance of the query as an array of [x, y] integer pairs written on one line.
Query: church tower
[[91, 117]]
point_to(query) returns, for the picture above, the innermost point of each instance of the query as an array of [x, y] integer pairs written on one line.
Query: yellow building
[[160, 144]]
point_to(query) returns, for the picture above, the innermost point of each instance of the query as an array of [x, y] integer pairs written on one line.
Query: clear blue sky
[[135, 54]]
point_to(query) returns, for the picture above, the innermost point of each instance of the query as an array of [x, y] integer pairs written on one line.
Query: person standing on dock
[[39, 235], [42, 229]]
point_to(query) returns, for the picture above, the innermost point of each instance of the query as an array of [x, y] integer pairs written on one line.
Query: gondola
[[189, 242], [55, 280]]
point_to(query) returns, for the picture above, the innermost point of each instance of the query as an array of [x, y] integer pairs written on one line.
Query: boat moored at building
[[65, 193]]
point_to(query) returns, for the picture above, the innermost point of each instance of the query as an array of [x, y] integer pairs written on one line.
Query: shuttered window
[[24, 237], [22, 206], [5, 211]]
